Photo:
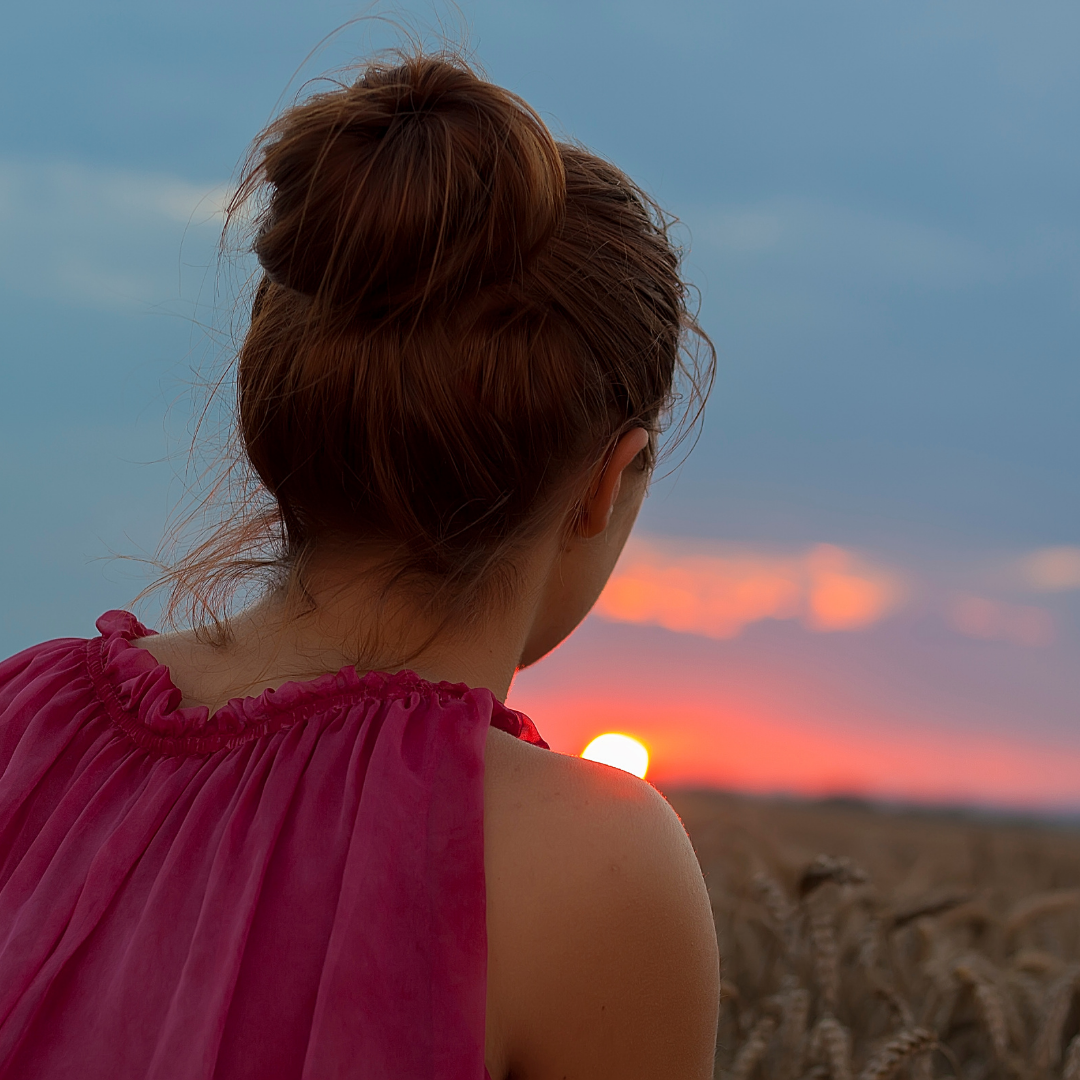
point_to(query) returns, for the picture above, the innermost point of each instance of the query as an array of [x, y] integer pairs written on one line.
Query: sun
[[621, 751]]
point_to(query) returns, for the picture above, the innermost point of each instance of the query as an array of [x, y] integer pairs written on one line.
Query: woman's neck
[[346, 618]]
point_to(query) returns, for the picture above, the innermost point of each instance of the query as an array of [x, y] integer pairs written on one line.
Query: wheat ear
[[825, 950], [831, 1043], [899, 1049], [773, 899], [836, 868], [753, 1050], [991, 1007]]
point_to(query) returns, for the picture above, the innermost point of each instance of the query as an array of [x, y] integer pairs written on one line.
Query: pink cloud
[[1054, 569], [1021, 624]]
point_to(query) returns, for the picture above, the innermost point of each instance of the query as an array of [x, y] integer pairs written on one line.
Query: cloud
[[103, 237], [1053, 569], [847, 594], [993, 620], [717, 592]]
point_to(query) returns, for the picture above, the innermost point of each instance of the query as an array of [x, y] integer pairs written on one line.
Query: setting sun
[[621, 751]]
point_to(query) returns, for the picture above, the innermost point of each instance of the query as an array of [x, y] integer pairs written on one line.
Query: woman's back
[[187, 896]]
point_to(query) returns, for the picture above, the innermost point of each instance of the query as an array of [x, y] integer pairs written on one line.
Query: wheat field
[[863, 944]]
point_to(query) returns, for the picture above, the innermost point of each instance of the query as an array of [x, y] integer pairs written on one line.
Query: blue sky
[[880, 200]]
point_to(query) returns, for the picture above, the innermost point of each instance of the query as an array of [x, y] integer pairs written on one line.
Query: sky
[[864, 580]]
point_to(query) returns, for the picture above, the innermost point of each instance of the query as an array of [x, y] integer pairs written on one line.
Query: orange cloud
[[1021, 624], [716, 594], [845, 596]]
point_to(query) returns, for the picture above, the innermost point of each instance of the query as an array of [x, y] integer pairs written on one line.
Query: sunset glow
[[619, 751], [697, 742]]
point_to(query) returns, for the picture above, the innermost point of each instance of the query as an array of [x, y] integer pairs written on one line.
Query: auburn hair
[[457, 318]]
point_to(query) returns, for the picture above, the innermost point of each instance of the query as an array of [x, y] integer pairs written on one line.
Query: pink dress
[[292, 887]]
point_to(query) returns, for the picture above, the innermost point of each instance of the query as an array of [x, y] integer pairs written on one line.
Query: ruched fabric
[[290, 888]]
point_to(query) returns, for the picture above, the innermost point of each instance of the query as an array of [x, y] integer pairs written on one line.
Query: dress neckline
[[142, 698]]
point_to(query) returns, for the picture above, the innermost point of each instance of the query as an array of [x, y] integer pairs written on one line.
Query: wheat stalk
[[753, 1050], [1029, 990], [795, 1012], [990, 1003], [891, 995], [826, 955], [830, 1044], [835, 868], [1059, 1000], [779, 908], [1038, 962], [925, 908], [921, 1068], [1040, 905], [1071, 1071], [899, 1049], [940, 1003], [869, 948]]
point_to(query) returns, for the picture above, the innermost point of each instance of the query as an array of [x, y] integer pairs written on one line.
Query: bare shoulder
[[602, 951], [589, 817]]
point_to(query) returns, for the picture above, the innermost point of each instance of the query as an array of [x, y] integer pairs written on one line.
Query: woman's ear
[[604, 490]]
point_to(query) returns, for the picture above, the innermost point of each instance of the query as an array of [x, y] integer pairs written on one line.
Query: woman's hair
[[458, 317]]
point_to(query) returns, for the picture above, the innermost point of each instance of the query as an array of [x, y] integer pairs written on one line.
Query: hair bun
[[413, 185]]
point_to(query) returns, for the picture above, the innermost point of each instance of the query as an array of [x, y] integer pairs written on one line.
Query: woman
[[310, 840]]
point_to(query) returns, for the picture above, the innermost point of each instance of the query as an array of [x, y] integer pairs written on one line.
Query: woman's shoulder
[[602, 953], [590, 824], [580, 807]]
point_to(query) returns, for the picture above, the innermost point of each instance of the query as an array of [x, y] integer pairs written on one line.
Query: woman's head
[[458, 319]]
